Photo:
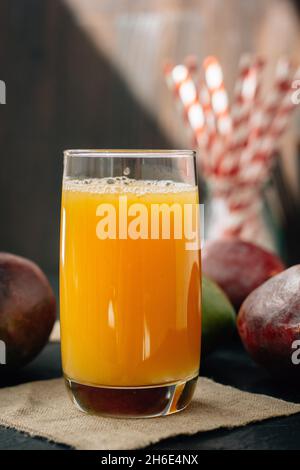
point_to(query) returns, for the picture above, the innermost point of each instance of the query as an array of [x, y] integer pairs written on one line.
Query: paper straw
[[218, 95], [183, 87], [260, 139]]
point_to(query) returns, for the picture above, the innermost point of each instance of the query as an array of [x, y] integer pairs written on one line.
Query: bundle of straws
[[236, 142]]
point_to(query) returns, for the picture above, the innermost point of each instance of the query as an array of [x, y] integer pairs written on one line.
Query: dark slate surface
[[229, 366]]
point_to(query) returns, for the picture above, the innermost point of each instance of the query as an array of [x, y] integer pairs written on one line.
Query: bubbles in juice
[[122, 184]]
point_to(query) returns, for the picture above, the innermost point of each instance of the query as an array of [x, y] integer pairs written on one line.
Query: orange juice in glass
[[130, 281]]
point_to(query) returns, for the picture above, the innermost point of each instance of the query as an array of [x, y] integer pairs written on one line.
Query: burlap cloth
[[44, 409]]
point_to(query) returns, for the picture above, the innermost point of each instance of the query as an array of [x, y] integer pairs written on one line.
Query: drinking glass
[[130, 280]]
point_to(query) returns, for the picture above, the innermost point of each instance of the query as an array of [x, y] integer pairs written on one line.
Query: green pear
[[218, 317]]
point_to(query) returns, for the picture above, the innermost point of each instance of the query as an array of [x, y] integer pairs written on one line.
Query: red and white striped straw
[[236, 149], [210, 124], [183, 87], [262, 159], [263, 118], [245, 96], [218, 95], [244, 91]]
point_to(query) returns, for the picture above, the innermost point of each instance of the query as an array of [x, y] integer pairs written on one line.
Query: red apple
[[269, 323], [238, 267], [27, 310]]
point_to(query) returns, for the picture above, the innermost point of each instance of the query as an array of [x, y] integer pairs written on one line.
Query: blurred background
[[89, 74]]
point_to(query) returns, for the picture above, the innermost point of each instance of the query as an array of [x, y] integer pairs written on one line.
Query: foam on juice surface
[[122, 184]]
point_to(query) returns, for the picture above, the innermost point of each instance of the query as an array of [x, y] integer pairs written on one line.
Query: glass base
[[132, 402]]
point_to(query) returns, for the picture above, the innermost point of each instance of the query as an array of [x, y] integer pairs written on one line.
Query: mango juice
[[130, 307]]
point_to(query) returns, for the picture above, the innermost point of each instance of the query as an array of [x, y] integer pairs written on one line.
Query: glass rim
[[129, 153]]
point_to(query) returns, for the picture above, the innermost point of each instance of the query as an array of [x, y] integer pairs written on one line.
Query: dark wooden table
[[229, 366]]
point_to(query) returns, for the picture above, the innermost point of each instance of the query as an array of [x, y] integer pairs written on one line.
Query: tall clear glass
[[130, 280]]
